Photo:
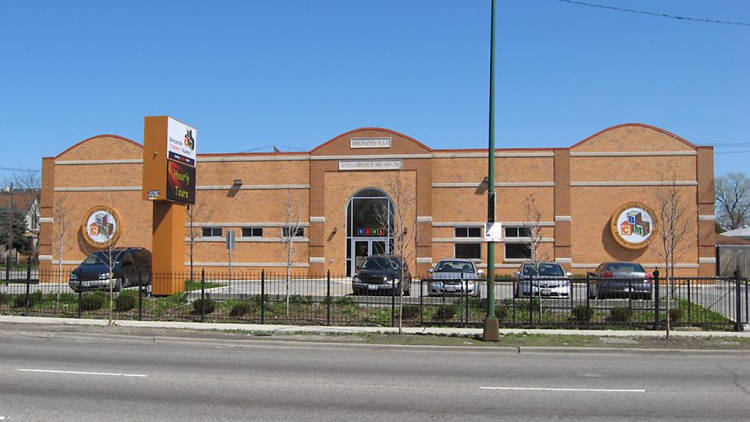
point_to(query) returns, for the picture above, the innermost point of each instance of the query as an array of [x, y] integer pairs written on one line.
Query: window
[[211, 232], [468, 232], [252, 232], [468, 250], [291, 231], [511, 232], [517, 251]]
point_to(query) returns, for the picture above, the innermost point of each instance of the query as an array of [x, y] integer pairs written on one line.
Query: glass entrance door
[[366, 247]]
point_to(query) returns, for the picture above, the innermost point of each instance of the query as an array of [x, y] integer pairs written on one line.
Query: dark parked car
[[621, 279], [454, 276], [130, 266], [380, 274], [542, 279]]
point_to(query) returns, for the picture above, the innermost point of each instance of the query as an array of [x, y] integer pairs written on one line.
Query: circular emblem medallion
[[101, 226], [633, 225]]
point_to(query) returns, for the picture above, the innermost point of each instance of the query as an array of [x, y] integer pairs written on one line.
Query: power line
[[658, 14]]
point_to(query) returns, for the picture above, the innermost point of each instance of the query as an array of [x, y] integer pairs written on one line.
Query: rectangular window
[[468, 232], [211, 232], [469, 250], [519, 231], [517, 251], [252, 232], [291, 231]]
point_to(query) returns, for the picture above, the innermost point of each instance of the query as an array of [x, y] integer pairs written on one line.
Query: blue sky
[[295, 73]]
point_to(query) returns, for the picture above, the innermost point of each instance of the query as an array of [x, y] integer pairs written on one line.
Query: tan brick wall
[[632, 138], [615, 169], [507, 169]]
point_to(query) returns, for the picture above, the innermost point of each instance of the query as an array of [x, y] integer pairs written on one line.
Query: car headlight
[[355, 279], [103, 276], [73, 276], [394, 281]]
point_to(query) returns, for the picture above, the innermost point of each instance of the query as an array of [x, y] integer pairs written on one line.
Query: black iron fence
[[274, 298]]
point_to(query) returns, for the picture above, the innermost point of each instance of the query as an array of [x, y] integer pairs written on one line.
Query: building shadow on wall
[[615, 250]]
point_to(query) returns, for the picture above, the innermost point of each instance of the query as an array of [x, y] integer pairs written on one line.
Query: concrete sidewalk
[[321, 329]]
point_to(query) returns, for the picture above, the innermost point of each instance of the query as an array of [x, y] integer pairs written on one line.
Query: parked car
[[130, 266], [380, 274], [542, 278], [620, 279], [454, 276]]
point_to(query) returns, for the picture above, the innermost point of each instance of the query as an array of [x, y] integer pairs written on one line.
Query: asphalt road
[[66, 376]]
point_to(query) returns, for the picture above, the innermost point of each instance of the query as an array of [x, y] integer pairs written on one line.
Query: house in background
[[27, 201]]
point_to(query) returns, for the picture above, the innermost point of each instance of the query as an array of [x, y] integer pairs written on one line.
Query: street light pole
[[9, 241], [491, 325]]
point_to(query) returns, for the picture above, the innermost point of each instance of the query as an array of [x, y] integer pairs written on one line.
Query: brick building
[[339, 193]]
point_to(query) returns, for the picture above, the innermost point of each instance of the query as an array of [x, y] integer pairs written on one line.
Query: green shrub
[[676, 314], [125, 302], [208, 306], [300, 300], [446, 312], [342, 301], [501, 312], [240, 308], [20, 301], [410, 311], [619, 314], [581, 313], [92, 302], [4, 298]]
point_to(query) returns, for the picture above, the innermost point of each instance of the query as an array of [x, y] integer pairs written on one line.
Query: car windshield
[[99, 258], [625, 267], [380, 263], [454, 267], [543, 270]]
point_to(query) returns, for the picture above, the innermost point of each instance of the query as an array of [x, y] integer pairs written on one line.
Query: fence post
[[262, 296], [203, 293], [738, 323], [588, 300], [630, 301], [328, 297], [28, 280], [466, 290], [393, 304], [140, 296], [690, 302], [656, 299], [7, 266], [421, 302], [746, 307], [531, 301]]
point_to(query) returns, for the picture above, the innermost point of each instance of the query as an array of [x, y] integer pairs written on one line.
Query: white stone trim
[[427, 260], [97, 188], [424, 219], [562, 218], [497, 184], [706, 217], [527, 223], [246, 224], [497, 154], [369, 157], [46, 220], [87, 162], [247, 239], [66, 262], [706, 260], [45, 257], [317, 219], [458, 224], [248, 264], [251, 187], [317, 260], [456, 240], [635, 183], [563, 260], [526, 240], [631, 153], [226, 159]]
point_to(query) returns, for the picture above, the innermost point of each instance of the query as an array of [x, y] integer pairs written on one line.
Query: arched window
[[369, 226]]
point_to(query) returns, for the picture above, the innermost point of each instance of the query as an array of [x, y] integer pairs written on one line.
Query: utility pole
[[491, 325], [9, 242]]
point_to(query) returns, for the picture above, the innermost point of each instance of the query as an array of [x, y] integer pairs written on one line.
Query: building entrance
[[369, 227]]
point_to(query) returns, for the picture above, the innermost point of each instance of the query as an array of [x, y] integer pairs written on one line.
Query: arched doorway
[[369, 226]]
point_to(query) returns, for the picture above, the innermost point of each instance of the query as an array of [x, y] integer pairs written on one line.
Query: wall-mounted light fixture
[[237, 182]]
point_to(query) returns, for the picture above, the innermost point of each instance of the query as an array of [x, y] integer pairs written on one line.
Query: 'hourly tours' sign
[[169, 158]]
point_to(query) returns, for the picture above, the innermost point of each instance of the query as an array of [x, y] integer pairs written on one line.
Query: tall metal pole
[[491, 326], [9, 243]]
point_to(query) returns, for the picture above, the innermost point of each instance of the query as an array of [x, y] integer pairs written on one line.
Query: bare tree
[[61, 220], [197, 215], [29, 183], [732, 200], [400, 224], [533, 215], [672, 222], [291, 232]]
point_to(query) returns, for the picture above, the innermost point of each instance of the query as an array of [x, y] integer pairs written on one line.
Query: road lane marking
[[588, 390], [52, 371]]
